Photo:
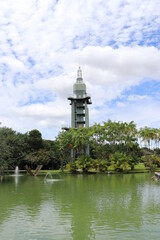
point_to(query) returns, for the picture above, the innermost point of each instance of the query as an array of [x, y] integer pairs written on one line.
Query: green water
[[80, 207]]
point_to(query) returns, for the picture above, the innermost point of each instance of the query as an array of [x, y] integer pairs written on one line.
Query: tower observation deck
[[79, 103]]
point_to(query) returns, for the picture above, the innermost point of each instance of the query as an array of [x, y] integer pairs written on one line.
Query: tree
[[64, 146], [38, 157], [37, 152], [35, 139], [151, 161], [12, 148], [4, 156], [97, 142], [53, 150], [148, 136], [80, 140]]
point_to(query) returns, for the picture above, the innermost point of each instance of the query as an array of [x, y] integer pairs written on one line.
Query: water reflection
[[16, 179], [80, 207]]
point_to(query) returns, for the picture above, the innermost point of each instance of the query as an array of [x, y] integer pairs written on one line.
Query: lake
[[80, 207]]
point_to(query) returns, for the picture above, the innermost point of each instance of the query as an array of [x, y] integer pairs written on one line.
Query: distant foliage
[[112, 145]]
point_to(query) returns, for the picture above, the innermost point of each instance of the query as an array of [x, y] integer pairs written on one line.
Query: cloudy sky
[[42, 44]]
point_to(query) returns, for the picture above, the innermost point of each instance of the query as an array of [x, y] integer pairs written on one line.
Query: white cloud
[[121, 104], [138, 97], [14, 64]]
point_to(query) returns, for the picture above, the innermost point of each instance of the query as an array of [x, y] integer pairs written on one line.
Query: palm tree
[[146, 136]]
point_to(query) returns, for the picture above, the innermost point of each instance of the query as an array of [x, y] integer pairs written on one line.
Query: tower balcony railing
[[74, 96], [80, 121], [65, 127]]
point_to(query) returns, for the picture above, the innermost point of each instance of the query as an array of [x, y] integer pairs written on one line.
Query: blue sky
[[42, 44]]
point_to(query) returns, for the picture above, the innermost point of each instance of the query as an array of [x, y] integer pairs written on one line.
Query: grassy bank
[[139, 168]]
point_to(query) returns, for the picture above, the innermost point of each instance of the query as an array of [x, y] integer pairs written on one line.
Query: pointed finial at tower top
[[79, 73]]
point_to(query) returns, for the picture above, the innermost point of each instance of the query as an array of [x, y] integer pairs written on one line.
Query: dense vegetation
[[113, 145]]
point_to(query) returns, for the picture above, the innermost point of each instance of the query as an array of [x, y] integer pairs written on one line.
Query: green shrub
[[120, 161], [84, 163]]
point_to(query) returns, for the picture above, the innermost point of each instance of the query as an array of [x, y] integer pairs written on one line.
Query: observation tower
[[79, 103]]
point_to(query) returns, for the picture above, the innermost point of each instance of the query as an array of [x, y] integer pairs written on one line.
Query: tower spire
[[79, 73]]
